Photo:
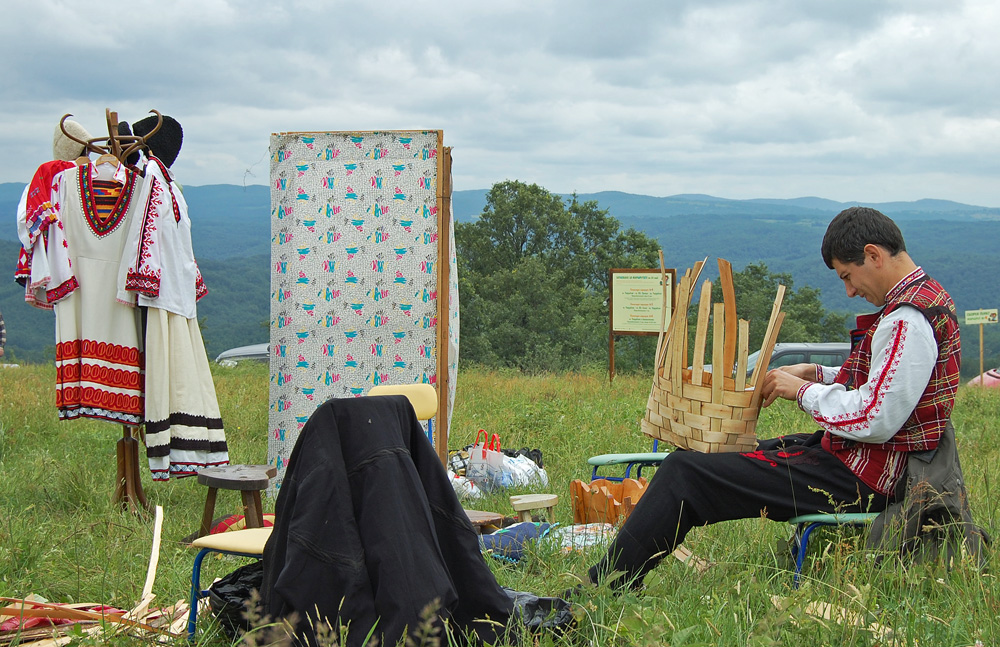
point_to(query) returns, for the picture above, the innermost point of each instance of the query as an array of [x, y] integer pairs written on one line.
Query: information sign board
[[980, 316], [637, 301]]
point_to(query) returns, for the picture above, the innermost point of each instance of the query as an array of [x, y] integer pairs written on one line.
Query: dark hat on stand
[[165, 143], [124, 130]]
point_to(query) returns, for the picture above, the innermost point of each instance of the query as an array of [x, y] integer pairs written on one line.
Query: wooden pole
[[611, 326], [981, 368], [443, 296], [611, 355], [128, 487]]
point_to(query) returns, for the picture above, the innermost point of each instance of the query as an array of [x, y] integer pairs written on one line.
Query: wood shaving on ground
[[690, 559], [36, 622], [824, 611]]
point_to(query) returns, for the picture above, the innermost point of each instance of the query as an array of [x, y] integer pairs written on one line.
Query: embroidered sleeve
[[63, 278], [22, 219], [826, 374], [903, 355], [144, 271], [52, 249], [200, 289]]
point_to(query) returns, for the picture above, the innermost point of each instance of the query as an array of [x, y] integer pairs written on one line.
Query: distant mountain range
[[234, 220], [956, 243], [468, 204]]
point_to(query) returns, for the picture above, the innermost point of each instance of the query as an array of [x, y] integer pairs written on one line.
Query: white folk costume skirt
[[184, 431]]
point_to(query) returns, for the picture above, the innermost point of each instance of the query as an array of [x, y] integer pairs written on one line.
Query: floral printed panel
[[354, 271]]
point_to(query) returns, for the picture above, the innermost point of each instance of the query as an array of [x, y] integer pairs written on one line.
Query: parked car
[[786, 354], [253, 352], [990, 378]]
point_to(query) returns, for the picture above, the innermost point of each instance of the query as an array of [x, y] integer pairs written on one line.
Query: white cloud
[[852, 100]]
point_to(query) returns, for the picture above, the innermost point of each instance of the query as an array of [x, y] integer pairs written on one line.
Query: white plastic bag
[[486, 462], [520, 471], [464, 488]]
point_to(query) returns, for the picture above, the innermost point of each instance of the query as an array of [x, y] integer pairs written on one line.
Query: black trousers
[[784, 478]]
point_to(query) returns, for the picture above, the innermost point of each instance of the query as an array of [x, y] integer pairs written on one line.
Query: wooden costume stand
[[128, 486]]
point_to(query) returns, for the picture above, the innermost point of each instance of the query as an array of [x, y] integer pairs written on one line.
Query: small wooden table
[[248, 479], [480, 519], [523, 504]]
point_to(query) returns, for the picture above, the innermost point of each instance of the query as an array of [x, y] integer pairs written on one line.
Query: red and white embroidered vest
[[876, 464]]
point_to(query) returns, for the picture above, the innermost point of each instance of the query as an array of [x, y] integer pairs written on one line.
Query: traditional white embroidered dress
[[99, 361], [159, 270], [184, 429]]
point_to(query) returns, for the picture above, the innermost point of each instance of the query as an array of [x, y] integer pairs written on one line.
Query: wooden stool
[[248, 479], [480, 519], [525, 503]]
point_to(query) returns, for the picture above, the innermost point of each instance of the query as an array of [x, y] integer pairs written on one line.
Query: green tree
[[533, 275], [805, 318]]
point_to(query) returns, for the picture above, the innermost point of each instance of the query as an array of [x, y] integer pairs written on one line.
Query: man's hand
[[805, 372], [782, 383]]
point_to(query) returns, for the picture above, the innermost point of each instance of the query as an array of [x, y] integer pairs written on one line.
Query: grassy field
[[61, 538]]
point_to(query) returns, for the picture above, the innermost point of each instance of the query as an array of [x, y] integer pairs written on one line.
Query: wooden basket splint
[[708, 411]]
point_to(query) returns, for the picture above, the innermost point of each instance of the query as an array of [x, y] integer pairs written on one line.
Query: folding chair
[[243, 543], [422, 397], [804, 525], [637, 460]]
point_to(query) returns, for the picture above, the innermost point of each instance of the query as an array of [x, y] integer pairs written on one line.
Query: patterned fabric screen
[[361, 251]]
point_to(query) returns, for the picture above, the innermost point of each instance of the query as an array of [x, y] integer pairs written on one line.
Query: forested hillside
[[234, 313], [955, 243]]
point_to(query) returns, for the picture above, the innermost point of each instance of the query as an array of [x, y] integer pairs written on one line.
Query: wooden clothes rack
[[128, 486], [120, 146]]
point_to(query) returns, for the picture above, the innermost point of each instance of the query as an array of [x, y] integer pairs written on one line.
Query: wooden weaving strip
[[701, 333], [766, 351], [663, 312], [718, 352], [729, 299], [741, 363]]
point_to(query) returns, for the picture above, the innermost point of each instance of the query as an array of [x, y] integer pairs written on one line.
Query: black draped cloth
[[369, 530]]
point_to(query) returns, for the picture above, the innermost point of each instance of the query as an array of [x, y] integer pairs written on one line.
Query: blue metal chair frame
[[806, 523], [197, 593], [651, 459]]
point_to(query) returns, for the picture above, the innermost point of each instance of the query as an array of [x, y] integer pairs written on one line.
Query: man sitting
[[893, 396]]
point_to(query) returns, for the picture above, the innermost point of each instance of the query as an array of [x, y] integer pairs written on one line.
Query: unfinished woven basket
[[708, 410]]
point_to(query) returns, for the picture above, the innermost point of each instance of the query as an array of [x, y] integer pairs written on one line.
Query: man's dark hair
[[856, 227]]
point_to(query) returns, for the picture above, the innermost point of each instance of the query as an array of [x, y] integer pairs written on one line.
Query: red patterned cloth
[[39, 210]]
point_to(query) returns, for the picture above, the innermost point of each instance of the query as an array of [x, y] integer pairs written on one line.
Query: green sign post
[[981, 317]]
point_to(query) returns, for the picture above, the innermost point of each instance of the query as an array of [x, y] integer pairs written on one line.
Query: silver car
[[253, 352]]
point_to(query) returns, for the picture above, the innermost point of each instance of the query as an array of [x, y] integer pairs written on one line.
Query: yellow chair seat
[[249, 541], [422, 397]]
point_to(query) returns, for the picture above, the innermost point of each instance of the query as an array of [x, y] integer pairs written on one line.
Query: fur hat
[[64, 148], [165, 143]]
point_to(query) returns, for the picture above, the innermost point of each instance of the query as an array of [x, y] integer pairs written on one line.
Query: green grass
[[61, 537]]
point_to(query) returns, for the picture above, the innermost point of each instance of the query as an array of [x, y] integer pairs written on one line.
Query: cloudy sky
[[853, 100]]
